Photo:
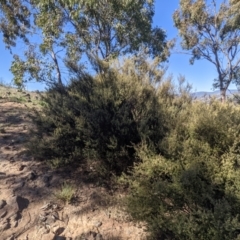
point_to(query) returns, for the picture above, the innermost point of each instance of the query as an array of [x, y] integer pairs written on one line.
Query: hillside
[[203, 94]]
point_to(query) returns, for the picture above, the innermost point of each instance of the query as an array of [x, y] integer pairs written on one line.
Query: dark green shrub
[[191, 191], [101, 118]]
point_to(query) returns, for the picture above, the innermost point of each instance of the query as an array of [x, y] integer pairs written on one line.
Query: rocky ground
[[29, 206]]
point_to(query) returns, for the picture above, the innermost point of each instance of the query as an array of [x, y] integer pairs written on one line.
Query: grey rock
[[46, 207], [55, 206], [55, 215], [42, 217], [97, 224]]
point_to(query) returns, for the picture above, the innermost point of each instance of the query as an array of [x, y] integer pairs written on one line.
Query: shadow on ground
[[34, 184]]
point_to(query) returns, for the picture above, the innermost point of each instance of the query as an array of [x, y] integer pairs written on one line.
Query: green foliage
[[16, 17], [191, 190], [96, 29], [179, 157], [234, 21], [66, 193], [101, 118]]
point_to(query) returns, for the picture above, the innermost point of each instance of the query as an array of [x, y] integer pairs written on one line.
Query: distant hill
[[216, 94]]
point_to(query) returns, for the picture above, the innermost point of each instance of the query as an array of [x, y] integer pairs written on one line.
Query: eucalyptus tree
[[235, 14], [60, 35], [206, 28]]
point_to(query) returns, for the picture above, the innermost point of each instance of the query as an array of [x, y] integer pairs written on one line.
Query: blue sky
[[200, 75]]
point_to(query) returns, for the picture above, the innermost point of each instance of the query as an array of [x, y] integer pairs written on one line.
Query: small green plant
[[65, 193], [42, 103], [55, 163], [21, 100]]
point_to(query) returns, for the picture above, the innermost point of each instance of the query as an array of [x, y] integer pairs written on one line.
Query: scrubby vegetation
[[191, 189], [178, 157], [102, 118], [66, 193]]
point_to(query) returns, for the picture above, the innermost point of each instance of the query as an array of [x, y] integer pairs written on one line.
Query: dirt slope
[[29, 209]]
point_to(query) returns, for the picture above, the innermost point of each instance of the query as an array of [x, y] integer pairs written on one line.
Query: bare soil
[[29, 208]]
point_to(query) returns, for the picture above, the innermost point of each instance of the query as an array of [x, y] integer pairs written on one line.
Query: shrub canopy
[[191, 191]]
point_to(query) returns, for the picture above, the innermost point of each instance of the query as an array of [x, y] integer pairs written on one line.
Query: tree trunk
[[59, 76], [223, 94]]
